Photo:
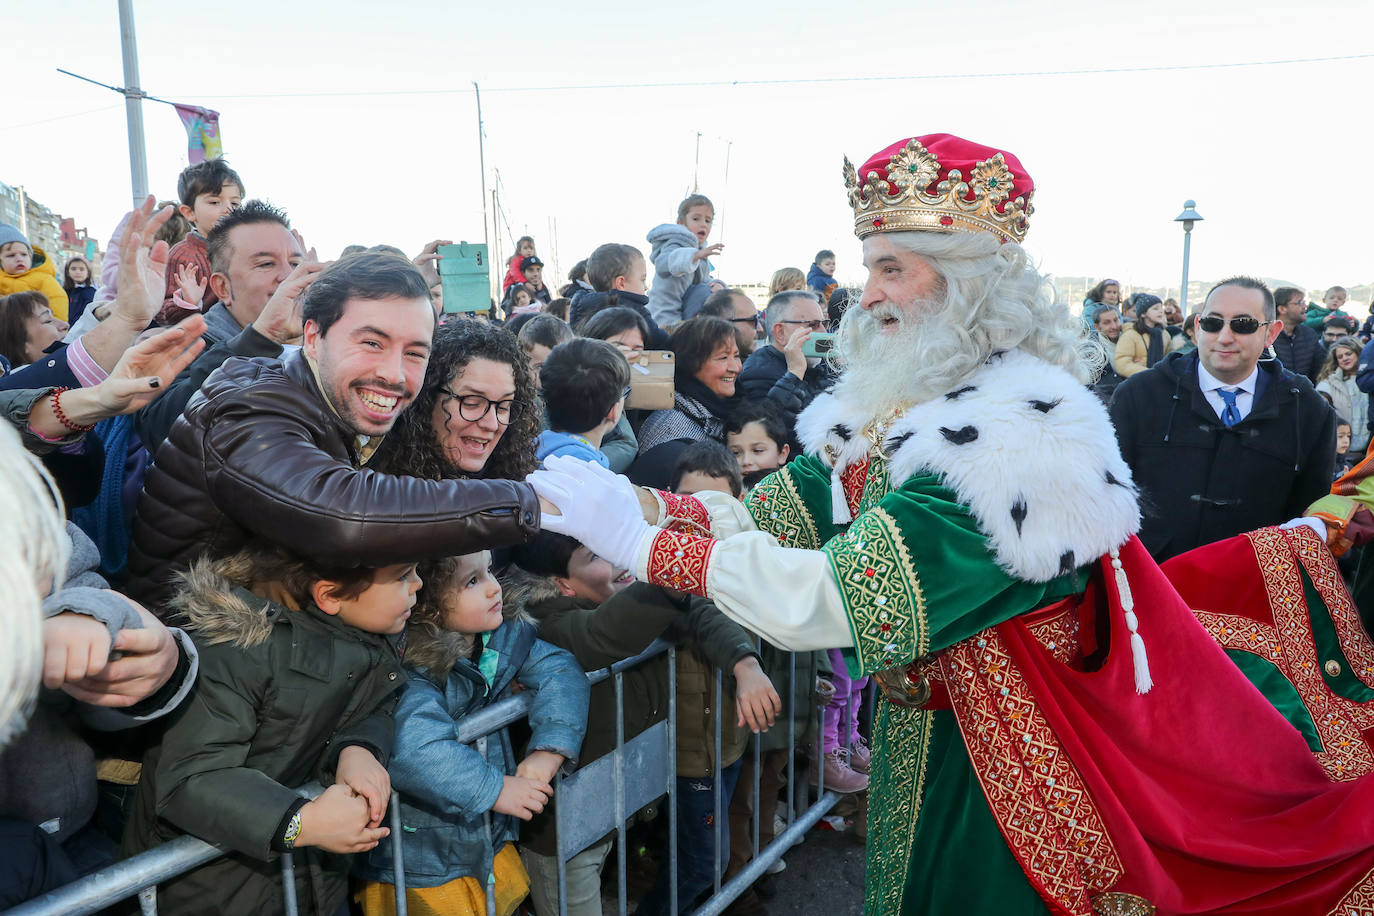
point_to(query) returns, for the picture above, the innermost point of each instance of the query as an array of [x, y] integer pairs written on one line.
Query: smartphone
[[819, 345]]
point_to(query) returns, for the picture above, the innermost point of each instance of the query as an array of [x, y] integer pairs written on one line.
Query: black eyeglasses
[[473, 407], [752, 322], [1241, 324], [626, 393], [815, 325]]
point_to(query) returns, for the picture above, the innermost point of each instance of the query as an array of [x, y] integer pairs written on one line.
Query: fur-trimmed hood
[[436, 650], [218, 606], [1024, 445]]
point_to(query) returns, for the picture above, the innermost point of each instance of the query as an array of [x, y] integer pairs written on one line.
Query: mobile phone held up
[[819, 345]]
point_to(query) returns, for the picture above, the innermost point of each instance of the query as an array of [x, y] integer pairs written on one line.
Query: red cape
[[1211, 800]]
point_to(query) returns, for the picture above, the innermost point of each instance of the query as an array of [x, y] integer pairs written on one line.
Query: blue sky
[[358, 118]]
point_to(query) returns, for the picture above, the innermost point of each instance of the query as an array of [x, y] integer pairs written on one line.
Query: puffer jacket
[[259, 453], [41, 276], [675, 268], [446, 787], [280, 694], [1201, 481]]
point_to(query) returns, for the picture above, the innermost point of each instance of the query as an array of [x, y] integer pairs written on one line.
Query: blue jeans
[[696, 842]]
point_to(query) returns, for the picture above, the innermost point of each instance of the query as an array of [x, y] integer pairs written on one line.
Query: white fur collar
[[1024, 445]]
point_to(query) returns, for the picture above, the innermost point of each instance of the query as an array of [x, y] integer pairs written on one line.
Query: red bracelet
[[62, 417]]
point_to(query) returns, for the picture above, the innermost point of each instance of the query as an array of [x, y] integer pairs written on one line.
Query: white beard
[[922, 358]]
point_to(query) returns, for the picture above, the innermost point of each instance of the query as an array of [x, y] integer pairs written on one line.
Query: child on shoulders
[[465, 651], [681, 260], [524, 248], [207, 191]]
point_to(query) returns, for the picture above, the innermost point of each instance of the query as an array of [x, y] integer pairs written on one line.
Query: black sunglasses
[[1241, 324]]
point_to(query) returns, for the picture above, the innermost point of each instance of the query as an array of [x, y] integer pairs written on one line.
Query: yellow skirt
[[460, 897]]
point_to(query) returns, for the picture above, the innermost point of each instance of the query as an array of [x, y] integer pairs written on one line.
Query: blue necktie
[[1231, 415]]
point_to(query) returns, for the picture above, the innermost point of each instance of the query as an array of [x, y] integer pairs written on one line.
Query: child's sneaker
[[838, 774], [859, 756]]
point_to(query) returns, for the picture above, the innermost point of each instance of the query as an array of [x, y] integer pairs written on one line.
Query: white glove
[[1317, 525], [598, 508]]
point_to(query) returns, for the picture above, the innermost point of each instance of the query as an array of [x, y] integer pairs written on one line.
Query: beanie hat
[[10, 234]]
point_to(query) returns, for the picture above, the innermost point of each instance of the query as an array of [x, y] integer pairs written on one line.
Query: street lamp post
[[1187, 218]]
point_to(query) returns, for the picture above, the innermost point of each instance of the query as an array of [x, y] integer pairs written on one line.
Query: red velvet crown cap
[[953, 153]]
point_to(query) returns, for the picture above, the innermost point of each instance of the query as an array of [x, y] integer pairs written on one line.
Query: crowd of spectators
[[301, 548]]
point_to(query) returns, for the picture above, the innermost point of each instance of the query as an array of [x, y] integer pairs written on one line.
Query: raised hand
[[142, 279], [192, 288]]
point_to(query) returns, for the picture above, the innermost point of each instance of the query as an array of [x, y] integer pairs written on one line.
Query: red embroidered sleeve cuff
[[679, 561], [683, 513]]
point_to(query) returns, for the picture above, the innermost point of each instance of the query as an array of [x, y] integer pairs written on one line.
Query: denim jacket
[[446, 787]]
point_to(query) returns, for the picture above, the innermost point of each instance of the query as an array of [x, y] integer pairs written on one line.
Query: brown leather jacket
[[259, 454]]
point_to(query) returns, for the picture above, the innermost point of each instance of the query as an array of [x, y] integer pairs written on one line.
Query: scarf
[[706, 408], [1155, 349]]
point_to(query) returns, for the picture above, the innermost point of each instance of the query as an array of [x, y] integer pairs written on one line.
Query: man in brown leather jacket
[[278, 450]]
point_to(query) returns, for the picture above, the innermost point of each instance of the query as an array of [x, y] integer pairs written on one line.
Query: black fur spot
[[1066, 563], [1046, 406], [1113, 482], [997, 354], [956, 393], [891, 445], [1018, 514], [962, 436], [844, 432]]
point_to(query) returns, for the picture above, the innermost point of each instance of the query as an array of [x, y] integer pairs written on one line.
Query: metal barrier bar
[[767, 856], [672, 781], [622, 886], [717, 777], [398, 868], [288, 882]]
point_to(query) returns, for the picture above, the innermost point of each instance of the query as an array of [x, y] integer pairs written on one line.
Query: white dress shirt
[[1245, 391]]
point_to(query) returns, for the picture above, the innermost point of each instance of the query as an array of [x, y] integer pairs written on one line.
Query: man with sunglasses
[[276, 451], [738, 309], [1219, 442], [780, 370]]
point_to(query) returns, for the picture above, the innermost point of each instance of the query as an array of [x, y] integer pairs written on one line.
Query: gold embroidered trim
[[1059, 635], [1119, 904], [1289, 645], [1326, 576], [777, 508], [901, 751], [1360, 900], [881, 592], [1035, 793]]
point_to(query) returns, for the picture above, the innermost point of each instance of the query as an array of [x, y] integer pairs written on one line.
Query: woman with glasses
[[476, 415]]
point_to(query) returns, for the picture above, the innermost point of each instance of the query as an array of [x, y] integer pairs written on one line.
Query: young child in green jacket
[[298, 680]]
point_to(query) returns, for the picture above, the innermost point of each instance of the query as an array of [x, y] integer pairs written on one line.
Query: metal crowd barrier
[[635, 774]]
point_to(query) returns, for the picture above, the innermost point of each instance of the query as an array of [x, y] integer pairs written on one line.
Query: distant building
[[55, 234]]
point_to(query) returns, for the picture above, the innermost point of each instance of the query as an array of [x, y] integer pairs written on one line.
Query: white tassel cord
[[1141, 664], [839, 505]]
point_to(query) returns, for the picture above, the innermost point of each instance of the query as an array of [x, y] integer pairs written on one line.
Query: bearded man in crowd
[[964, 525]]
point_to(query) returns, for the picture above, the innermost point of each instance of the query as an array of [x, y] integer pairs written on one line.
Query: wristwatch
[[293, 830]]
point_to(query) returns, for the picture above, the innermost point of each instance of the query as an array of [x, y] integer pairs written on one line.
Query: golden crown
[[899, 197]]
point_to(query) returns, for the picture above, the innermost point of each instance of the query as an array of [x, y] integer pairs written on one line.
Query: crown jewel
[[912, 190]]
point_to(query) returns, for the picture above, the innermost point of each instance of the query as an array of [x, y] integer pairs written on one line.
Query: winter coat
[[569, 444], [445, 787], [191, 251], [78, 297], [673, 252], [765, 375], [584, 305], [821, 282], [689, 419], [281, 693], [41, 276], [1132, 351], [1350, 403], [620, 445], [1316, 314], [224, 339], [260, 453], [1302, 353], [1109, 378], [48, 772], [1201, 481]]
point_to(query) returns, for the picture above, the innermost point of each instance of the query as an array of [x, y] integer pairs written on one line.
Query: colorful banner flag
[[202, 132]]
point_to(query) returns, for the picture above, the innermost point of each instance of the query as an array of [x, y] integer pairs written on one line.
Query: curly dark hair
[[412, 447]]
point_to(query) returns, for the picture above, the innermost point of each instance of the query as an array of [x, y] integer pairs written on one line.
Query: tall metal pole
[[482, 162], [133, 102], [1183, 290], [696, 164]]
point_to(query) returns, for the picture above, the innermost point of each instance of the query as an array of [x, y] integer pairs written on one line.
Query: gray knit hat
[[10, 234]]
